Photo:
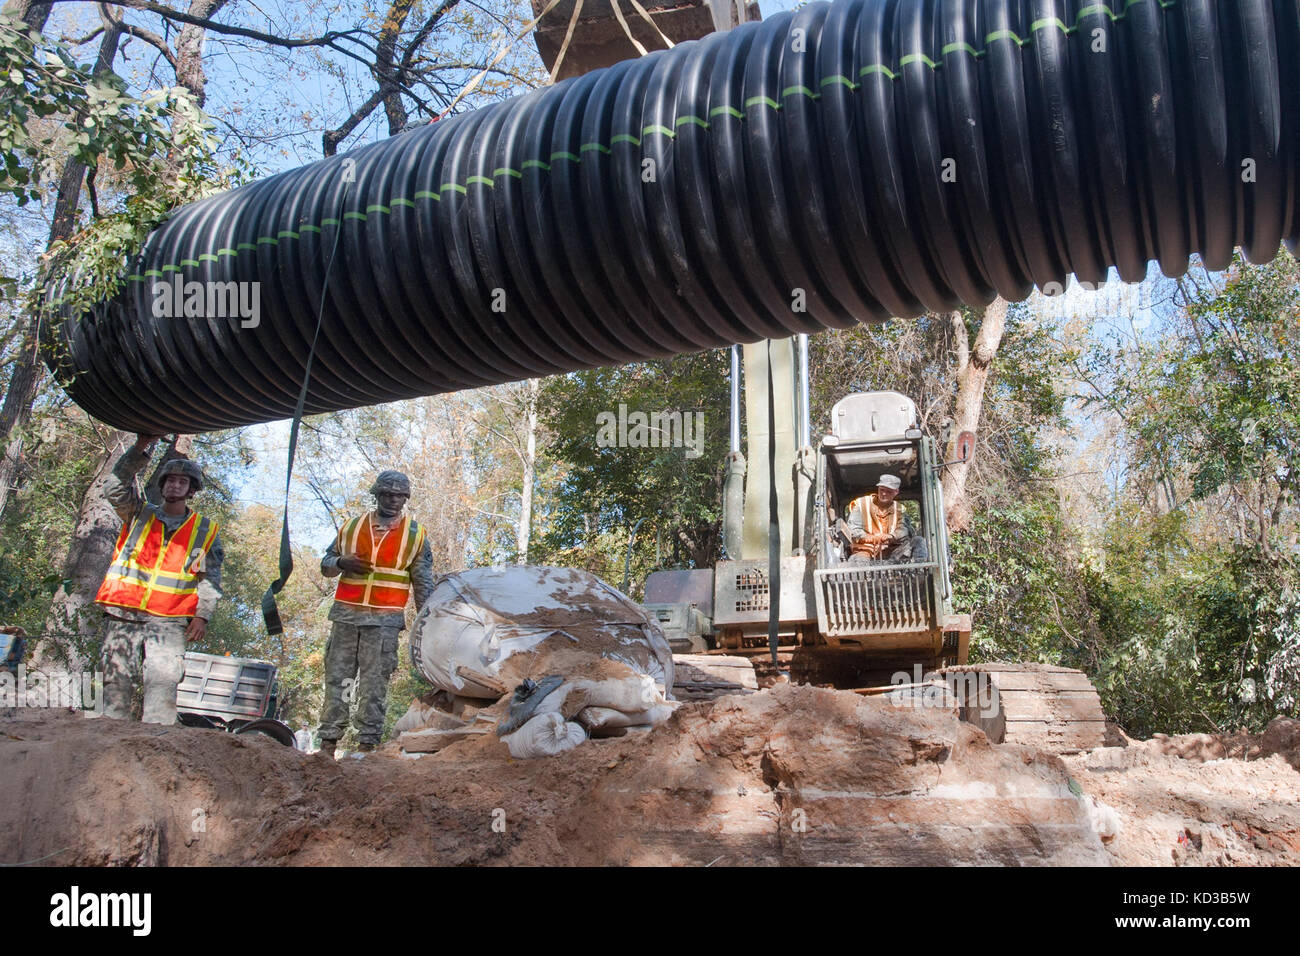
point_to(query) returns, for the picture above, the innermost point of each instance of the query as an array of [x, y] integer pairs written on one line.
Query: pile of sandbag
[[574, 656]]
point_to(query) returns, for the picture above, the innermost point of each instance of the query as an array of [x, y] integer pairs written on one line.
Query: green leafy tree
[[1197, 592], [669, 493]]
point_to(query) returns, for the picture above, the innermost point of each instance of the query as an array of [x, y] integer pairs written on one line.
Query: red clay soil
[[788, 775]]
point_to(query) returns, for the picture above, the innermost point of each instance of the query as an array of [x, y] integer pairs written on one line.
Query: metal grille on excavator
[[752, 590], [887, 599]]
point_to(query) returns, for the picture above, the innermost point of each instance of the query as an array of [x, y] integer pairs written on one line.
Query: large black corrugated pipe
[[883, 156]]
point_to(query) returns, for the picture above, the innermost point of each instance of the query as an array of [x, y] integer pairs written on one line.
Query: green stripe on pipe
[[958, 47], [1004, 35], [841, 80], [1048, 23], [917, 58], [877, 68]]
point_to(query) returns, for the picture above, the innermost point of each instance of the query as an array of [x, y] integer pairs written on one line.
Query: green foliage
[[176, 165], [159, 146], [674, 491], [1197, 614], [61, 458], [1016, 571], [1208, 645]]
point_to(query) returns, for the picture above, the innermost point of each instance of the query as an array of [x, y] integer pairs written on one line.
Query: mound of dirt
[[1200, 799], [789, 775]]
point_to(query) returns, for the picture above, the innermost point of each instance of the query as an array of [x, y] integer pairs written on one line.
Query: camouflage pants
[[160, 644], [359, 660]]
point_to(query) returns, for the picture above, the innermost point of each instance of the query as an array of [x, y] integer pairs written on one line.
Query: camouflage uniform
[[135, 635], [361, 653], [161, 642]]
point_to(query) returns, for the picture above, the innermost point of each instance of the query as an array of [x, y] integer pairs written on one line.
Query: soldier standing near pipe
[[162, 587], [382, 556]]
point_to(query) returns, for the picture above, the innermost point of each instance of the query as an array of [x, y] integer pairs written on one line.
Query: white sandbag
[[599, 720], [638, 698], [545, 735]]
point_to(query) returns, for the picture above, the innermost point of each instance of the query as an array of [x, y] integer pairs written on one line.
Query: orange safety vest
[[388, 585], [156, 576], [869, 514]]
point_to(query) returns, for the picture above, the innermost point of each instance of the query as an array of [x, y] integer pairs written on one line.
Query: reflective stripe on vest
[[388, 585], [156, 574], [869, 516]]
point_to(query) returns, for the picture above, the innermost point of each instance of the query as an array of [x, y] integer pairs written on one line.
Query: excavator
[[880, 628]]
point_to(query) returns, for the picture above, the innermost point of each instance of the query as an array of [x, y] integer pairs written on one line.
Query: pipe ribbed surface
[[886, 157]]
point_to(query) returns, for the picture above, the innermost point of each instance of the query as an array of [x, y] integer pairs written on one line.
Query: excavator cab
[[876, 618], [883, 608]]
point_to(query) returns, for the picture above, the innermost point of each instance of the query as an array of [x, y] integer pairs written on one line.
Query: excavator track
[[1055, 709]]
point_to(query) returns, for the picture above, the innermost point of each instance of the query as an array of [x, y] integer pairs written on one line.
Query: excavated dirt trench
[[789, 775]]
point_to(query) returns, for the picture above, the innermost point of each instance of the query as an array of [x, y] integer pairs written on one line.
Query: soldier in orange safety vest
[[162, 586], [881, 530], [383, 559]]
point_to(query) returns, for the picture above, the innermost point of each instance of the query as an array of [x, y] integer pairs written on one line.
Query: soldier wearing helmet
[[162, 586], [382, 559]]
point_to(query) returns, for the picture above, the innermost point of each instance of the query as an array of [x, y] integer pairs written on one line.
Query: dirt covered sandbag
[[508, 623]]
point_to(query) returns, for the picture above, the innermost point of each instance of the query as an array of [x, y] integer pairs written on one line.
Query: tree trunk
[[97, 524], [973, 366], [523, 533], [29, 372], [72, 629], [32, 14]]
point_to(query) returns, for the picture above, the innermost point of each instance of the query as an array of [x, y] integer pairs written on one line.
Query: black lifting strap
[[773, 519], [271, 610]]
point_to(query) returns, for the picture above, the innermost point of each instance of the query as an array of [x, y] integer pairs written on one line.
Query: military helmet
[[185, 467], [391, 481]]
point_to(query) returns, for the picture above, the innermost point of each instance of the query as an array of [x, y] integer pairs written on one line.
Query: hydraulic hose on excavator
[[843, 163]]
